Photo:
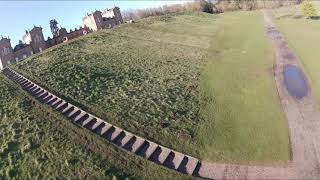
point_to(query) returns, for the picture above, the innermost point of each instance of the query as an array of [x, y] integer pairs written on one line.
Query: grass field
[[33, 147], [244, 120], [194, 82], [304, 37], [141, 76]]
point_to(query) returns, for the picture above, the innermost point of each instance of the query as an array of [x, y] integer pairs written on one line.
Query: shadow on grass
[[289, 16], [315, 17]]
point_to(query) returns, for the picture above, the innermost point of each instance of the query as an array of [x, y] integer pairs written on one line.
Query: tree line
[[207, 6]]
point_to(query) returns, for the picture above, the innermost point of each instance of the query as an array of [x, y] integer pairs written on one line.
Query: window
[[17, 59], [6, 51], [31, 52], [40, 49], [24, 56]]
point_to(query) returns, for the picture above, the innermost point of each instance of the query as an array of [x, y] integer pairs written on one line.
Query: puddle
[[295, 82]]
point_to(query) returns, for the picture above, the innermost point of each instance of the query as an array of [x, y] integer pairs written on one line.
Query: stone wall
[[103, 20], [94, 21], [68, 36], [78, 32], [109, 23]]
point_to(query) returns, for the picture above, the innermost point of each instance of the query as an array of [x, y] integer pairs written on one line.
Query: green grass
[[304, 38], [142, 76], [199, 83], [36, 143], [243, 117]]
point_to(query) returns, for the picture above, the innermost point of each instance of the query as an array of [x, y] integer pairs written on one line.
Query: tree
[[206, 6], [54, 28], [308, 9]]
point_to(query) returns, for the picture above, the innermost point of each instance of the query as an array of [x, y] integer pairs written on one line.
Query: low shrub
[[308, 9]]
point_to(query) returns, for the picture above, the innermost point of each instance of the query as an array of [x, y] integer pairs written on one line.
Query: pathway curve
[[302, 113]]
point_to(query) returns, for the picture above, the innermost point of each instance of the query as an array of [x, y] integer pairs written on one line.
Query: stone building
[[6, 52], [22, 51], [98, 20], [35, 39], [34, 42], [94, 21], [64, 36]]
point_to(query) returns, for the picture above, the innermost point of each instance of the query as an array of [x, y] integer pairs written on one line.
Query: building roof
[[62, 31], [97, 11], [36, 28], [94, 12], [90, 14], [110, 9], [4, 39], [19, 46]]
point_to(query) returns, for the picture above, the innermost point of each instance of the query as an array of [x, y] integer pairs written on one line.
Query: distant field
[[303, 36], [194, 82], [32, 147]]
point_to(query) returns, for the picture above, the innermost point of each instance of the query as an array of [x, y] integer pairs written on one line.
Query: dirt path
[[303, 117], [303, 114]]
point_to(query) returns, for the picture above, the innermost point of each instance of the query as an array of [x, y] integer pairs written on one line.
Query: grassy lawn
[[38, 144], [141, 76], [303, 36], [199, 83], [243, 117]]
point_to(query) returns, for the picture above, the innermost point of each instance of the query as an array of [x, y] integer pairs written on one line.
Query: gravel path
[[303, 117]]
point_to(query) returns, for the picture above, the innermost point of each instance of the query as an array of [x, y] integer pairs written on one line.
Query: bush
[[308, 9], [206, 6]]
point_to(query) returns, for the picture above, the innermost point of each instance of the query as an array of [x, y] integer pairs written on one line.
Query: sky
[[18, 16]]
